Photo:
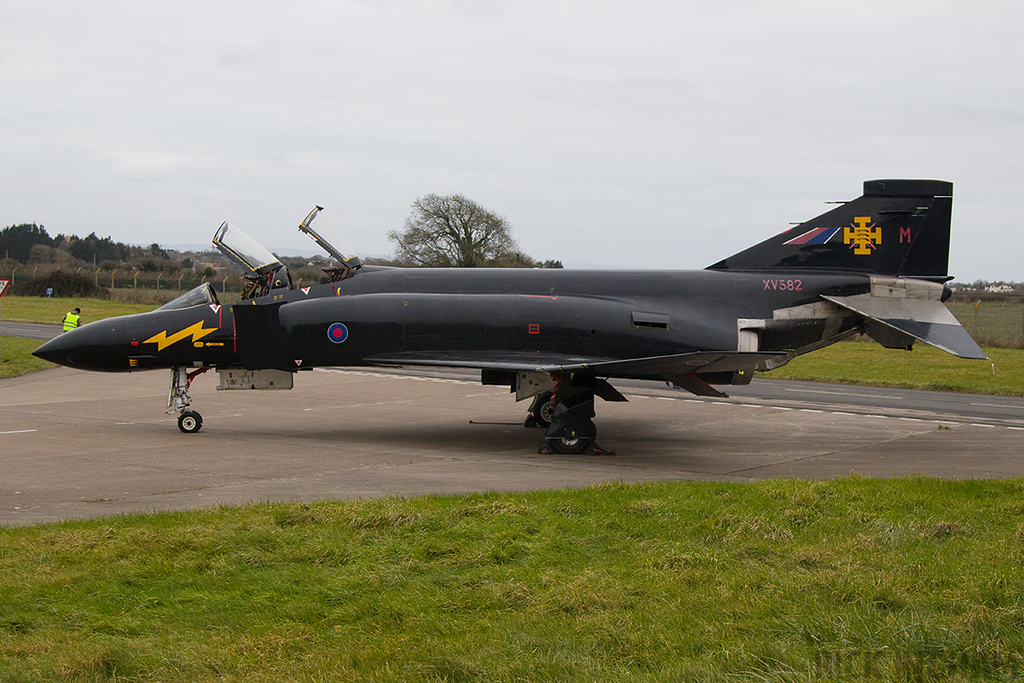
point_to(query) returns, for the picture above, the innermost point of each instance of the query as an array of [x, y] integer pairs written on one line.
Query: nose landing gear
[[178, 400]]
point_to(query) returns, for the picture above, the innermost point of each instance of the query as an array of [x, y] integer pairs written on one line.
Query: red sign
[[4, 281]]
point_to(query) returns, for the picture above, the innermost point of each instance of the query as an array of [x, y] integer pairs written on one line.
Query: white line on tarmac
[[844, 393], [20, 431]]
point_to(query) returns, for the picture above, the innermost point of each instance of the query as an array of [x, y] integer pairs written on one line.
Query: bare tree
[[453, 231]]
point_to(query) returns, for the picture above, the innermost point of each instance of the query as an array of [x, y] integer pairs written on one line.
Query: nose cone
[[96, 346], [55, 350]]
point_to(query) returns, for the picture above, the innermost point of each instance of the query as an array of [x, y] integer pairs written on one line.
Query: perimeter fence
[[224, 281], [992, 323], [128, 279]]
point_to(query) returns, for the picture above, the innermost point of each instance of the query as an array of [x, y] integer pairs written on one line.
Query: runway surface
[[13, 328], [76, 444]]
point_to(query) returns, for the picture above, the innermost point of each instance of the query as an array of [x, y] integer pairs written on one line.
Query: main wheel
[[570, 446], [190, 422], [544, 410]]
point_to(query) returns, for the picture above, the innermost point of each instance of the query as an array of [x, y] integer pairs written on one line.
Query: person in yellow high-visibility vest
[[71, 320]]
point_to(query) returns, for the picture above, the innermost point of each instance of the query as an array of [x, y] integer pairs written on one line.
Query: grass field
[[923, 368], [16, 357], [782, 580], [37, 309]]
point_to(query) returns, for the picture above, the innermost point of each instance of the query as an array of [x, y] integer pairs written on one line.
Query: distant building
[[999, 289]]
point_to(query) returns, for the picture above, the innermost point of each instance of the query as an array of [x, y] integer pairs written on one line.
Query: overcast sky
[[643, 134]]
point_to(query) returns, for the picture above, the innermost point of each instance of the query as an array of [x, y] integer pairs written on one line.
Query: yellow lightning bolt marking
[[162, 341]]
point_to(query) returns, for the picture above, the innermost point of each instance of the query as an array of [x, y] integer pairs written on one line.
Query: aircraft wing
[[679, 363], [924, 319], [484, 360], [668, 367]]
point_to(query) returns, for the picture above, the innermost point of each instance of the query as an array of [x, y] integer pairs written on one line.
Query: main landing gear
[[568, 414], [178, 401], [542, 410]]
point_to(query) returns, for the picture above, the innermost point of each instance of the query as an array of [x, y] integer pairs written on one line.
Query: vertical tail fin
[[896, 228]]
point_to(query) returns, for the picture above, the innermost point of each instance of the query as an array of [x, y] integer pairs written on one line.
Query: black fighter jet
[[875, 265]]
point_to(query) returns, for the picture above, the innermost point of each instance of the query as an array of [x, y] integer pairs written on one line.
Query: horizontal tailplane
[[899, 311]]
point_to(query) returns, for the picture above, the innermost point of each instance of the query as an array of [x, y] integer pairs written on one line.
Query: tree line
[[448, 231], [30, 243]]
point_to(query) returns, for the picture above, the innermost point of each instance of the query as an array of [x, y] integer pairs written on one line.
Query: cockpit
[[346, 257], [263, 271], [203, 295]]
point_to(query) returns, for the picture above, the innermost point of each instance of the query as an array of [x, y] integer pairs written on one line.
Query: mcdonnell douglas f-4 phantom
[[875, 265]]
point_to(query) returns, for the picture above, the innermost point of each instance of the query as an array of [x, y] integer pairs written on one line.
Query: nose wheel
[[190, 422]]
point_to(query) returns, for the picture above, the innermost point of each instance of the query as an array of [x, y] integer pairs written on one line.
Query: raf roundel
[[337, 333]]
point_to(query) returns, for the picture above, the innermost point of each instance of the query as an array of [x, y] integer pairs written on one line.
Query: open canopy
[[244, 250]]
